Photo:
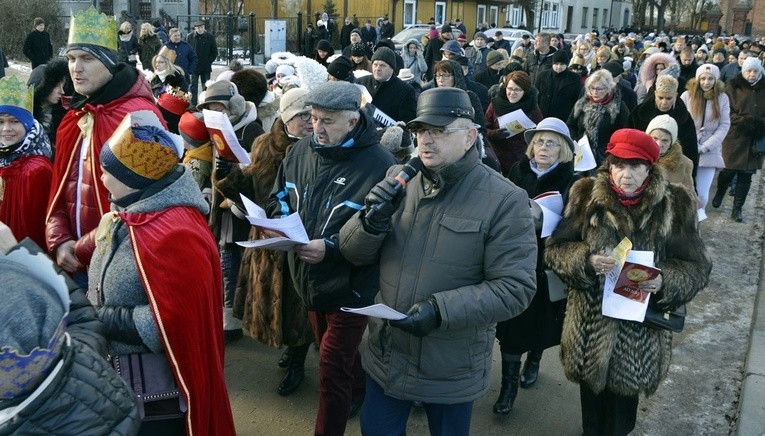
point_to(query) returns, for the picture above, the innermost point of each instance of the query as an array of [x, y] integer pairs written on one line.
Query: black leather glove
[[381, 203], [222, 168], [422, 318], [502, 134], [119, 324]]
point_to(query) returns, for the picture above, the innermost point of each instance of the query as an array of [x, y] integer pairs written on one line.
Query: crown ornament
[[168, 53], [92, 27], [14, 92]]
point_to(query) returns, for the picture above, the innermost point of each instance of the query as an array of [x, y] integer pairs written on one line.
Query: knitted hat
[[341, 68], [39, 21], [335, 96], [251, 84], [453, 47], [560, 57], [446, 28], [324, 45], [663, 122], [193, 130], [751, 63], [494, 57], [708, 68], [386, 55], [356, 31], [627, 65], [358, 49], [293, 103], [462, 38], [613, 67], [139, 155], [703, 47], [285, 70], [720, 50], [666, 84], [633, 144], [479, 35], [226, 93]]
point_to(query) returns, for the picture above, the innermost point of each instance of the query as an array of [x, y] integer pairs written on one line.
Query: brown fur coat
[[678, 168], [625, 357], [265, 300]]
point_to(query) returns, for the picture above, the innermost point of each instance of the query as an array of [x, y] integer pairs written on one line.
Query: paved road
[[700, 395]]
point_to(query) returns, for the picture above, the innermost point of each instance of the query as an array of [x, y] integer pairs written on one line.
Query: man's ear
[[471, 137], [353, 121]]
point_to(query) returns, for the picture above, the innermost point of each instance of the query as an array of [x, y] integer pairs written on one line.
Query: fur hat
[[341, 68], [140, 155], [335, 96], [309, 72], [633, 144], [293, 103], [708, 68], [494, 57], [666, 84], [386, 55], [251, 84], [663, 122], [226, 93], [398, 141], [193, 130]]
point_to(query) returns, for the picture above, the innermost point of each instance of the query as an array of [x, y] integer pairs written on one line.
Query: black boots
[[718, 198], [723, 181], [531, 368], [295, 369], [509, 390], [742, 190]]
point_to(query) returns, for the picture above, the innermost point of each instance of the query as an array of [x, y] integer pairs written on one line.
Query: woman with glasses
[[599, 113], [516, 92], [547, 166]]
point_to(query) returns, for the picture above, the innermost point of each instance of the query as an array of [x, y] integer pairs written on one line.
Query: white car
[[515, 36], [417, 31]]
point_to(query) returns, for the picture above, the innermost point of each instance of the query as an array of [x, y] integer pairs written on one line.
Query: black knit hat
[[386, 55], [341, 69], [324, 45], [446, 28], [358, 49], [560, 57]]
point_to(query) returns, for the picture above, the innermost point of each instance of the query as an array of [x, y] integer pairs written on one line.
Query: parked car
[[513, 35], [416, 31]]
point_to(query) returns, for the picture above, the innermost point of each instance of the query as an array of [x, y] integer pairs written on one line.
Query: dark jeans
[[230, 262], [386, 416], [341, 377], [195, 85], [607, 413]]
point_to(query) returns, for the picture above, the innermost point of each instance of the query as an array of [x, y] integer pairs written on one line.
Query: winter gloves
[[422, 318]]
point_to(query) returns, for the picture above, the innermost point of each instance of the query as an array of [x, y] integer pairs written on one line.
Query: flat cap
[[335, 96]]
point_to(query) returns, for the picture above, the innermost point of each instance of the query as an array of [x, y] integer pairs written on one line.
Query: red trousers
[[341, 377]]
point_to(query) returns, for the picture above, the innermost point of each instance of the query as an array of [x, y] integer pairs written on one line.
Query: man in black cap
[[389, 93], [457, 250], [433, 49], [324, 179], [203, 43]]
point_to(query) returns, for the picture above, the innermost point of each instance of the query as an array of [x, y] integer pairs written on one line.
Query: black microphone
[[410, 169]]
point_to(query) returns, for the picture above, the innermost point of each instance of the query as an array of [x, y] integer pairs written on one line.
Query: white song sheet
[[291, 228]]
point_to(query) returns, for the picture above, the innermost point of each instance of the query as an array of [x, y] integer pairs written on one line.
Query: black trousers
[[607, 413], [194, 88]]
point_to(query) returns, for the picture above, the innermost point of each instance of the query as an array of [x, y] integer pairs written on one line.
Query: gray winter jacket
[[465, 236]]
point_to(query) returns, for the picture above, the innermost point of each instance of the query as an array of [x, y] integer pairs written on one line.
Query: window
[[595, 17], [554, 15], [410, 12], [606, 18], [440, 12], [515, 16], [585, 12], [480, 15], [494, 16], [545, 14]]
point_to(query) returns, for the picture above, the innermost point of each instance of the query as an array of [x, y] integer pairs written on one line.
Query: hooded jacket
[[464, 236], [326, 185], [624, 357], [416, 63]]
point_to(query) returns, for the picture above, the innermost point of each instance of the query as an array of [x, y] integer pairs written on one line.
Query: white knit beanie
[[663, 122], [752, 63]]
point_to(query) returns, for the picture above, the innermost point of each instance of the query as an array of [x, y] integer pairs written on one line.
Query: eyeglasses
[[443, 76], [437, 132], [514, 90], [597, 89], [305, 116], [539, 143]]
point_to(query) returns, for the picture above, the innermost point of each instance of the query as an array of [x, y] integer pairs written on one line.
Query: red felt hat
[[173, 104], [633, 144]]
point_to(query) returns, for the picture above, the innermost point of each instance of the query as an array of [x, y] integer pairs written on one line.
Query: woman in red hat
[[614, 360]]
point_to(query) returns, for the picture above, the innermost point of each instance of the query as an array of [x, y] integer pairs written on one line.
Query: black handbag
[[152, 380], [672, 320]]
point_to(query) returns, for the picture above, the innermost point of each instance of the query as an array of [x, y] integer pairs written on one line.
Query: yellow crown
[[90, 27], [14, 92], [147, 159], [168, 53]]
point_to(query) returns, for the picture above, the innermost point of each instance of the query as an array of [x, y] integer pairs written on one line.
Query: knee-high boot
[[510, 376], [295, 371], [530, 371], [723, 180], [742, 190]]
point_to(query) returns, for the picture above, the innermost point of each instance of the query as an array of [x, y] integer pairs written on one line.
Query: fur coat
[[597, 122], [265, 300], [679, 169], [747, 123], [625, 357]]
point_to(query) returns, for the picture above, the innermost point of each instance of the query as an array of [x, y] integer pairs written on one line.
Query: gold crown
[[148, 159], [14, 92], [90, 27], [168, 53]]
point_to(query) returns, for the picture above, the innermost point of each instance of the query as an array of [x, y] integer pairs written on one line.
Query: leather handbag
[[672, 320], [152, 380]]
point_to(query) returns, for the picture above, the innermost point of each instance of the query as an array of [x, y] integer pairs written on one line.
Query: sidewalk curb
[[751, 411]]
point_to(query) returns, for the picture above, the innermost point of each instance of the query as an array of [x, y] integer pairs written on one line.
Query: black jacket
[[536, 63], [38, 48], [558, 92], [489, 77], [393, 97], [205, 48], [345, 35], [686, 129], [326, 186]]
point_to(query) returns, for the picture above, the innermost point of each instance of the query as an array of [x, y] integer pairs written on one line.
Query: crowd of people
[[414, 191]]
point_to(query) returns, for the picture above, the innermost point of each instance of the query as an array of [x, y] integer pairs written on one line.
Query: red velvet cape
[[179, 265], [27, 182]]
